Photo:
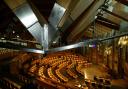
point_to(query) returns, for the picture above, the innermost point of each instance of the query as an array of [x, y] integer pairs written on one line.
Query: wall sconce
[[123, 40], [108, 50]]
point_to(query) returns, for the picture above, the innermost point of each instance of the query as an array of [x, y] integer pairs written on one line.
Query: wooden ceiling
[[44, 6], [8, 19], [11, 27], [108, 21]]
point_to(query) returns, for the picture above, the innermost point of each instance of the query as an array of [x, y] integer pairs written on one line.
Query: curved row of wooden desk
[[55, 65]]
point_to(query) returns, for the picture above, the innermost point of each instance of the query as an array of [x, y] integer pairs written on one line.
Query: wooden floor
[[94, 70]]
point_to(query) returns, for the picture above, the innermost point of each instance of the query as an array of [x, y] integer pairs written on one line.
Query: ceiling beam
[[25, 14], [85, 20], [116, 15], [37, 13], [108, 23], [72, 26], [125, 2]]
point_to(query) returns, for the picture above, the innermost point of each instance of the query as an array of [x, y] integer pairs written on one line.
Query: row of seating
[[36, 61], [5, 83], [58, 63], [78, 69], [3, 50], [102, 80], [64, 64], [41, 72], [71, 65], [5, 53], [60, 66], [49, 61], [62, 77], [71, 73], [98, 83], [51, 75], [23, 79], [33, 68], [55, 58]]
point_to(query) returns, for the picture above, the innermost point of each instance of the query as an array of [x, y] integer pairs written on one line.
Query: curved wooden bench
[[63, 78], [41, 72], [57, 63], [64, 64], [71, 65], [71, 73], [51, 75], [33, 68], [78, 69]]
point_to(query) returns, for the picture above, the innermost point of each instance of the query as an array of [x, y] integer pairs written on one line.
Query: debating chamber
[[63, 44]]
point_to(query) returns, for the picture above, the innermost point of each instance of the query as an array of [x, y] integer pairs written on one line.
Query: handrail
[[76, 45]]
